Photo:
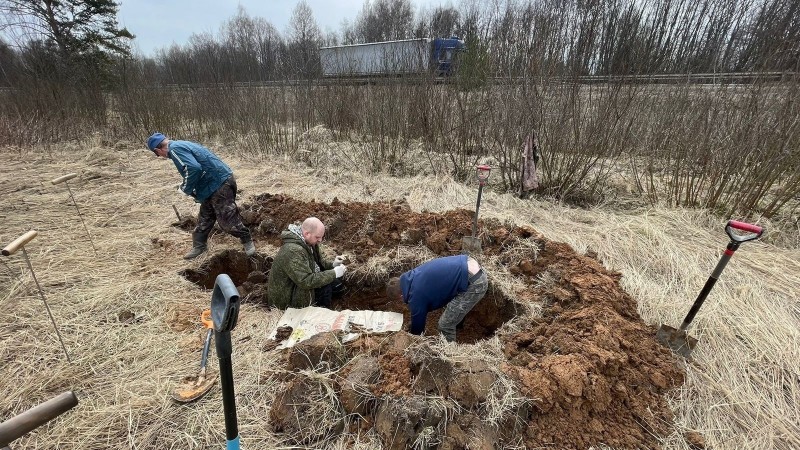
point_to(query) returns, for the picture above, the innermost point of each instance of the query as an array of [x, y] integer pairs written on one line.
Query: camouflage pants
[[457, 309], [221, 208]]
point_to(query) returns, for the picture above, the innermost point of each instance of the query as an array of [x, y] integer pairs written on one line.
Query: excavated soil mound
[[587, 371]]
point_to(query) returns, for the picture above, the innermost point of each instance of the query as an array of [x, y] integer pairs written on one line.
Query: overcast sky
[[159, 23]]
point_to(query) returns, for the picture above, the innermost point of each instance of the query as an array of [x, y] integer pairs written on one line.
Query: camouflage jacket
[[297, 270]]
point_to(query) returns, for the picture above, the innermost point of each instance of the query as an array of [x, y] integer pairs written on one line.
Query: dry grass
[[377, 268], [116, 310]]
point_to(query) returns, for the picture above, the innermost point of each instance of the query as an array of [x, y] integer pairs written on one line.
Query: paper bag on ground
[[308, 321]]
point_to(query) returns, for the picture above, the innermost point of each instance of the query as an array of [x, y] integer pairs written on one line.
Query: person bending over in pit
[[454, 282], [300, 274], [210, 182]]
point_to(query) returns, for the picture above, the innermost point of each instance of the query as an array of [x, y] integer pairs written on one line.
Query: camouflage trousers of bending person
[[221, 208], [461, 304]]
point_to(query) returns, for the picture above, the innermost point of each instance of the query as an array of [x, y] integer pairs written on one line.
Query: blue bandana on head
[[155, 140]]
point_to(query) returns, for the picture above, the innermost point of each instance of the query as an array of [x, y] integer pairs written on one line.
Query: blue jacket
[[203, 172], [432, 286]]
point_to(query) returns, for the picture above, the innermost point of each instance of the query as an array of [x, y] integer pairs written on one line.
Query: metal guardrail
[[725, 77], [690, 78], [674, 78]]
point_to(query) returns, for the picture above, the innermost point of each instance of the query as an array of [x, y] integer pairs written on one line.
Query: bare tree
[[303, 40], [442, 21], [207, 55], [8, 65], [252, 45], [772, 37], [385, 20]]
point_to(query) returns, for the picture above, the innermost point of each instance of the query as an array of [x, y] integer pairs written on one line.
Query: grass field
[[121, 311]]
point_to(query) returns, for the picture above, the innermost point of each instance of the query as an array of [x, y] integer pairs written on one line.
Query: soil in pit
[[587, 371]]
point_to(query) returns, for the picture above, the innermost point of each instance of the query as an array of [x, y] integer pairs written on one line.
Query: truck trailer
[[404, 57]]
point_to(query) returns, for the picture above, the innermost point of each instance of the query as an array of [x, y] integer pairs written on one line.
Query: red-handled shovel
[[678, 339]]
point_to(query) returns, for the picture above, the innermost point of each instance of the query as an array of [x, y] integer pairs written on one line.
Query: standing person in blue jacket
[[454, 282], [211, 183]]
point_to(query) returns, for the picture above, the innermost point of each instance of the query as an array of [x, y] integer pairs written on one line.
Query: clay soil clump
[[583, 370]]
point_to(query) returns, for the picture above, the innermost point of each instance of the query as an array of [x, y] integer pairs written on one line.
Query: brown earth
[[589, 370]]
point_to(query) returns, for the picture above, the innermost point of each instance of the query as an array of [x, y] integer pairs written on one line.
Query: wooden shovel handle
[[35, 417], [18, 243], [64, 178]]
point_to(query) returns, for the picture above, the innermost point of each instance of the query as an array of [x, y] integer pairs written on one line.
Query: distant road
[[678, 78], [682, 78]]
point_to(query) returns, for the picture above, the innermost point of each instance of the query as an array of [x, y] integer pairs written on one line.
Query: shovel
[[678, 339], [193, 388], [472, 244], [225, 313]]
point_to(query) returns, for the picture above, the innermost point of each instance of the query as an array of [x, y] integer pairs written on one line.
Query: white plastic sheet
[[307, 322]]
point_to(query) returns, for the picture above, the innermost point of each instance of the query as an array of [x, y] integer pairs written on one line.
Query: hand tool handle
[[477, 208], [64, 178], [222, 341], [206, 347], [35, 417], [224, 303], [225, 313], [233, 444], [19, 242], [745, 226], [177, 213], [755, 231], [205, 318]]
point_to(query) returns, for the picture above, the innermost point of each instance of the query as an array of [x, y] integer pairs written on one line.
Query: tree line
[[731, 148], [80, 42]]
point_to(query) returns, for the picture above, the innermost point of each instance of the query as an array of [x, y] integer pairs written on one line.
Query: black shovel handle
[[225, 314], [755, 232], [224, 304]]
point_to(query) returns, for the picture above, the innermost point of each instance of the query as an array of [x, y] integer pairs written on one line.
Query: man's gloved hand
[[340, 269], [338, 260]]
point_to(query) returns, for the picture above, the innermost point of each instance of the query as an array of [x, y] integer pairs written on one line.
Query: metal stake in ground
[[12, 248], [678, 339], [64, 180], [472, 244], [224, 314]]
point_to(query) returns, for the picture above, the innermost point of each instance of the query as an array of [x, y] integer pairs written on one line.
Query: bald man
[[300, 275]]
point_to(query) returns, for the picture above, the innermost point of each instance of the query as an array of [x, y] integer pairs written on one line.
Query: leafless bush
[[574, 74]]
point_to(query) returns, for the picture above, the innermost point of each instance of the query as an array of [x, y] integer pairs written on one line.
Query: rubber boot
[[249, 248], [198, 246]]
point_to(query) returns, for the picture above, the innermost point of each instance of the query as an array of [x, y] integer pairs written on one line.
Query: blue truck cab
[[444, 52]]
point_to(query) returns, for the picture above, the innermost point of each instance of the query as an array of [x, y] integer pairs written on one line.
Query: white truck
[[409, 56]]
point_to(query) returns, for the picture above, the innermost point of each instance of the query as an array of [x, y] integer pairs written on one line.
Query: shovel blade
[[192, 388], [471, 245], [677, 340]]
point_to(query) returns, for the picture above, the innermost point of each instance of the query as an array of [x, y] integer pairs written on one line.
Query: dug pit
[[576, 367], [249, 274], [482, 322]]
